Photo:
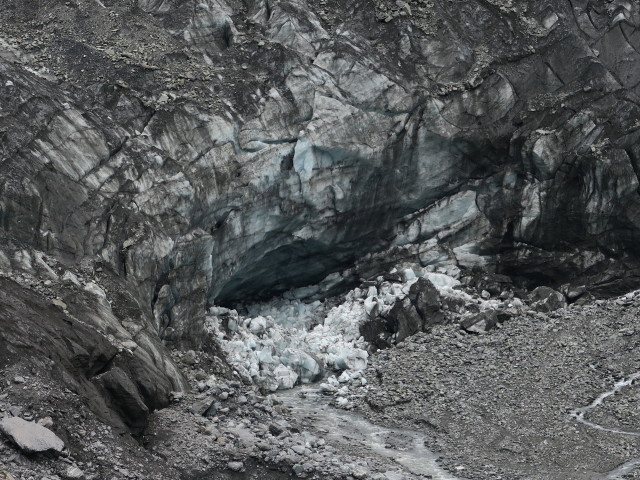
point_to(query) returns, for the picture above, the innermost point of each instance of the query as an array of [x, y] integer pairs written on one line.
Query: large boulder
[[416, 312], [426, 299], [29, 436], [125, 397], [546, 299], [403, 320]]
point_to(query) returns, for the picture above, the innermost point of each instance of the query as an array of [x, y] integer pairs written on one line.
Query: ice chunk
[[370, 303], [408, 275], [350, 358], [232, 325], [441, 280], [285, 377], [327, 388], [258, 325]]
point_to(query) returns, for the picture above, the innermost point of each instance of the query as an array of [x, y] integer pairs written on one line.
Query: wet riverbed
[[403, 452]]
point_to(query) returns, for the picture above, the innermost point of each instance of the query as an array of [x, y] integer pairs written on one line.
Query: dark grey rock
[[126, 398], [480, 322], [201, 407], [426, 299], [404, 320], [418, 311], [545, 299]]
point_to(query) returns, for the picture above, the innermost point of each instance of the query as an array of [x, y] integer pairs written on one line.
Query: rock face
[[221, 151], [207, 152], [119, 385], [29, 436]]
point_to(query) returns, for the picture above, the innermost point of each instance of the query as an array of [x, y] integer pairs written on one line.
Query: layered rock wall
[[210, 153]]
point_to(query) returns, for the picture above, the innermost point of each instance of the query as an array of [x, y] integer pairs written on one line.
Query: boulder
[[426, 300], [202, 406], [29, 436], [404, 320], [73, 473], [235, 466], [545, 299], [418, 311], [375, 332], [480, 322]]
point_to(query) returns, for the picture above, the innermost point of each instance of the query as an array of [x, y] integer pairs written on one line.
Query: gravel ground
[[498, 404]]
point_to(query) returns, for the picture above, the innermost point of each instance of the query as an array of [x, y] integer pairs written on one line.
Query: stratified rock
[[30, 436]]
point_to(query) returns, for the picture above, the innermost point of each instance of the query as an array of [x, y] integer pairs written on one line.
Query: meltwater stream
[[351, 432], [579, 414]]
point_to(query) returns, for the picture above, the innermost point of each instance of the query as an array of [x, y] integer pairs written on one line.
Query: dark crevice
[[635, 164], [267, 7], [104, 368], [227, 35], [222, 219], [555, 73]]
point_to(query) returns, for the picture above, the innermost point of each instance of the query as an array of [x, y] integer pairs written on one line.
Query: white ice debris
[[285, 342], [441, 281], [294, 343]]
